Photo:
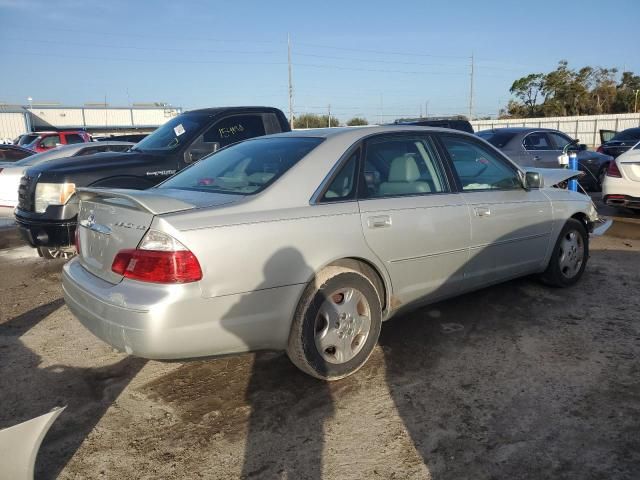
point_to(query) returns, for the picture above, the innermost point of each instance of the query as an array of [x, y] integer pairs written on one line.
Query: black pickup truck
[[47, 207]]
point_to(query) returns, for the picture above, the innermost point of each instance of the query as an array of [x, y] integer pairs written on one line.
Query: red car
[[48, 140]]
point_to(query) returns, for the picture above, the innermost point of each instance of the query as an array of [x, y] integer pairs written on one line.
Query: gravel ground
[[514, 381]]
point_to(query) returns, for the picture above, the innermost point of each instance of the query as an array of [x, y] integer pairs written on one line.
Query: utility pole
[[329, 118], [471, 90], [420, 110], [426, 109], [635, 103], [290, 81]]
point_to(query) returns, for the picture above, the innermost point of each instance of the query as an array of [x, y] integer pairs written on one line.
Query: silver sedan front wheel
[[571, 253]]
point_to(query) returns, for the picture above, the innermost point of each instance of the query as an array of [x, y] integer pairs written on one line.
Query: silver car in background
[[306, 241], [11, 173]]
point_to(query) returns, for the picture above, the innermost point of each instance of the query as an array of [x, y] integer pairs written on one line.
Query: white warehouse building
[[97, 120]]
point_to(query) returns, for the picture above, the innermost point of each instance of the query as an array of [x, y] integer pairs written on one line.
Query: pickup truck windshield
[[244, 168], [178, 131]]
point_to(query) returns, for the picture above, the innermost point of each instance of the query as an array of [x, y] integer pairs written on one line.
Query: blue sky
[[379, 59]]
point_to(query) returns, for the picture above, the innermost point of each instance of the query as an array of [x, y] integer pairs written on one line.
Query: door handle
[[482, 211], [381, 221]]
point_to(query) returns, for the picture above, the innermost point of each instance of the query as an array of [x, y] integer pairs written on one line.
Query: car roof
[[519, 130], [361, 132], [217, 110]]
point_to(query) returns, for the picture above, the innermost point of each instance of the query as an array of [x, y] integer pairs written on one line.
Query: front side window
[[235, 129], [478, 168], [402, 166], [559, 141], [50, 142], [245, 168], [537, 141]]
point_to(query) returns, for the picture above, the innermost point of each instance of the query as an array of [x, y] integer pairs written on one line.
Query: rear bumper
[[621, 192], [175, 321]]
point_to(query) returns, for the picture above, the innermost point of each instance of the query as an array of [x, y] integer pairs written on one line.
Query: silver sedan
[[307, 241]]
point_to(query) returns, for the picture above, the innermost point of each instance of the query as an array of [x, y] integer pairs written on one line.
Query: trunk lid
[[629, 163], [111, 220]]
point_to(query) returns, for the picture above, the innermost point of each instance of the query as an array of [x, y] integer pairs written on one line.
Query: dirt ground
[[514, 381]]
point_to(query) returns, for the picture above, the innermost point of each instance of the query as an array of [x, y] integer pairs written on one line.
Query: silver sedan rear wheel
[[342, 325], [336, 325]]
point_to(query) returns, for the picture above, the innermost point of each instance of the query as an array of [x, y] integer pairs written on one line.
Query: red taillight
[[613, 170], [600, 149], [157, 266]]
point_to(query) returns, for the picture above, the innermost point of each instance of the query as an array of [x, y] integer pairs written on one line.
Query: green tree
[[357, 121], [528, 90], [311, 120], [625, 100]]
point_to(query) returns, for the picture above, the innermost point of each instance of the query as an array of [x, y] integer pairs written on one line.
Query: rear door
[[510, 227], [412, 218], [542, 152]]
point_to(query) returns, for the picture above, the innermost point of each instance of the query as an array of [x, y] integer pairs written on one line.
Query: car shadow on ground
[[87, 392]]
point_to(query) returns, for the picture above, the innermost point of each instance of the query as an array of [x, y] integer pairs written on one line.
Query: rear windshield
[[496, 138], [244, 168], [628, 134], [176, 132]]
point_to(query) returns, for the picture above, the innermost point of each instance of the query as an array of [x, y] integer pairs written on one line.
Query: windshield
[[176, 132], [497, 139], [628, 134], [244, 168], [26, 139]]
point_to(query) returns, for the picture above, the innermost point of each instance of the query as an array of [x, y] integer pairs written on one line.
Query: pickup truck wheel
[[336, 325], [569, 257], [54, 253]]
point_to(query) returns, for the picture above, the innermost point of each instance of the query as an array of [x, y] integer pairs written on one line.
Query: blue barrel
[[573, 165]]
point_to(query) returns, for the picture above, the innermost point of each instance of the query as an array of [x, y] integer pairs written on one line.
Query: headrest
[[404, 169]]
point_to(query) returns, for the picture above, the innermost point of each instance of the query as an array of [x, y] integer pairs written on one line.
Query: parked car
[[621, 187], [541, 147], [130, 137], [13, 153], [616, 143], [48, 140], [456, 122], [47, 207], [283, 242], [11, 174]]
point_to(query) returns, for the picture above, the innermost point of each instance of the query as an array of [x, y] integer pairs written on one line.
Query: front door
[[510, 226], [412, 219], [541, 151]]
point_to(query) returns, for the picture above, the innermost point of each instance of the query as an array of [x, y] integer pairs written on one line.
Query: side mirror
[[532, 180], [582, 147]]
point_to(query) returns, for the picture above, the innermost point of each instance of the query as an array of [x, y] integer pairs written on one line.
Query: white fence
[[586, 128]]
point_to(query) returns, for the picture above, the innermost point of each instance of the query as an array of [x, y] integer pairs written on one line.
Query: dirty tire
[[55, 253], [302, 347], [554, 274]]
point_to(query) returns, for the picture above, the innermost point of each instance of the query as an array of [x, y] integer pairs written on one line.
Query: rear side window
[[90, 151], [245, 168], [73, 138], [537, 141], [478, 168], [235, 129], [343, 185], [11, 155], [402, 166]]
